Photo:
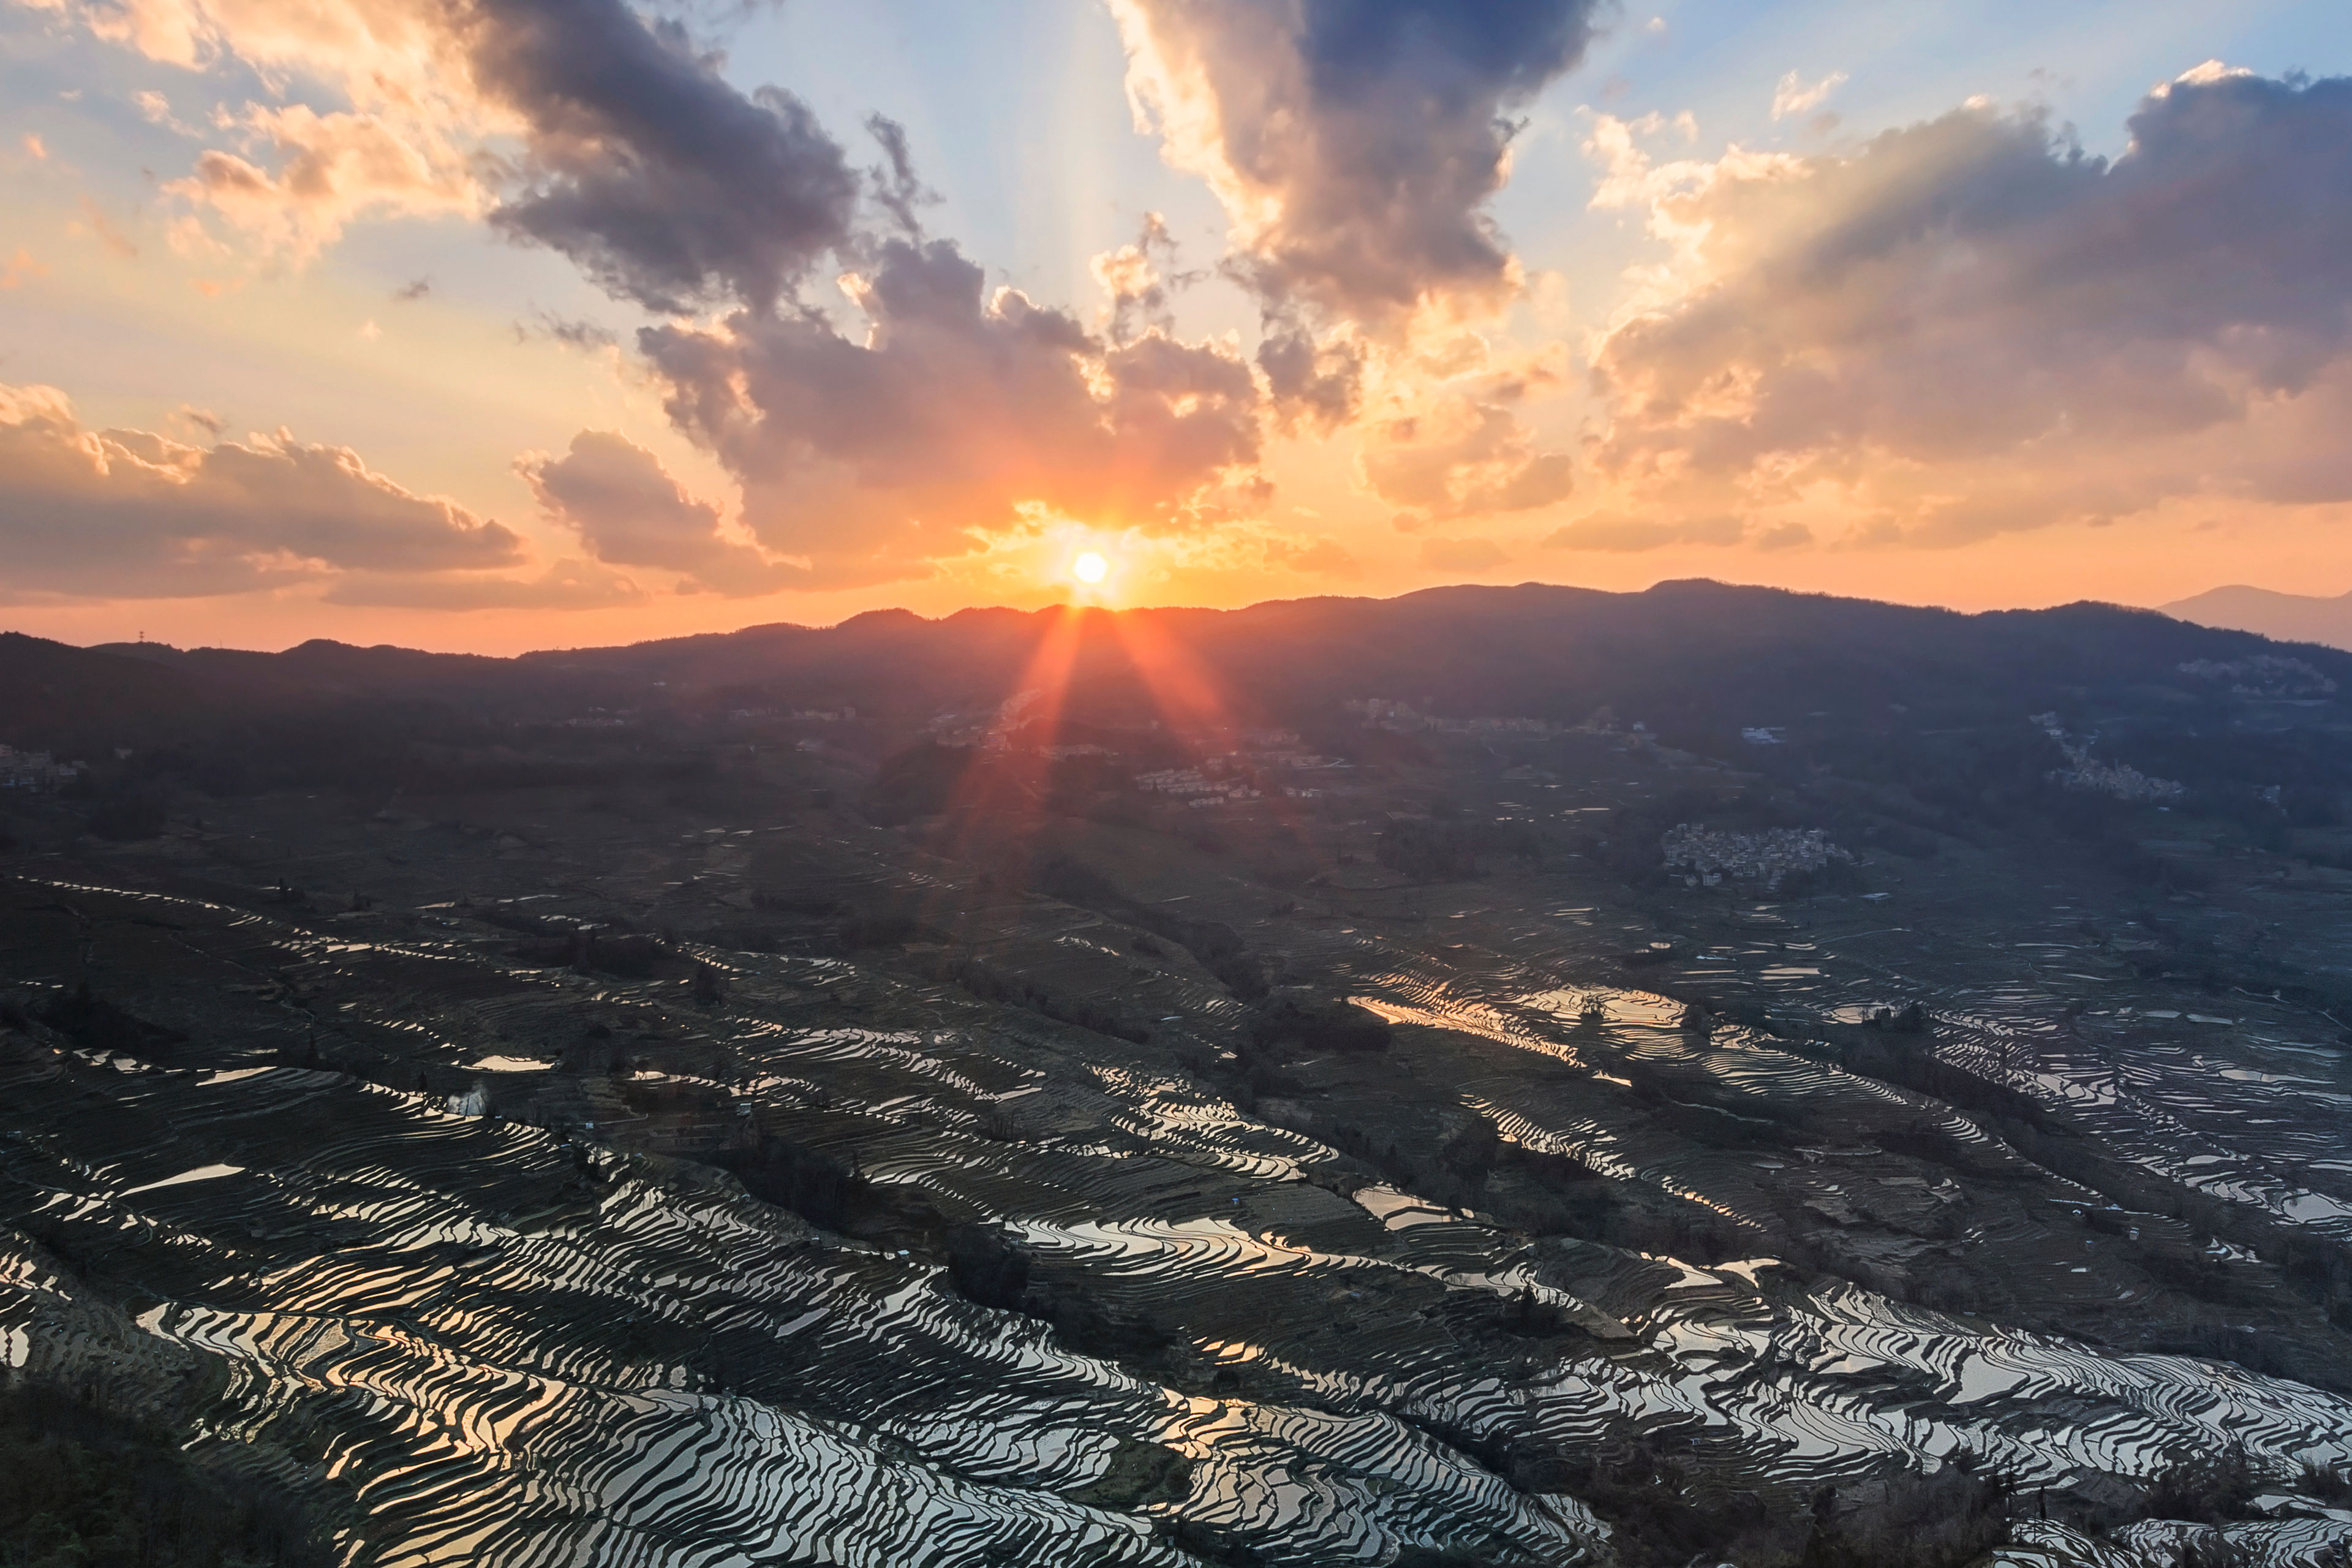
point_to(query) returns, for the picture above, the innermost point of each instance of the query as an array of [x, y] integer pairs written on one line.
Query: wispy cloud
[[1795, 95], [95, 223], [21, 268]]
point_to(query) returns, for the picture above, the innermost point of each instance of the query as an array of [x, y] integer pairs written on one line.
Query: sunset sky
[[497, 324]]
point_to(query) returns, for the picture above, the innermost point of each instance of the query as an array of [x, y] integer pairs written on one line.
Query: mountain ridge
[[1691, 652], [2282, 617]]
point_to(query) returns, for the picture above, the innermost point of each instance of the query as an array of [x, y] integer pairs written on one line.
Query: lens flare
[[1090, 567]]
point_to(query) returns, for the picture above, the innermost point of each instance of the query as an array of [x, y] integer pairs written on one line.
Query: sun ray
[[1192, 699], [998, 810], [1000, 798]]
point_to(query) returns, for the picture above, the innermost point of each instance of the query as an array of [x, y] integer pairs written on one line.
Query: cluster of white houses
[[1706, 856], [2084, 772], [1196, 787], [2120, 780], [36, 770], [2264, 675], [1387, 714]]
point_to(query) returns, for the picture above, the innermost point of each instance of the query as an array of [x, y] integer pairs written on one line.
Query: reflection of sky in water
[[515, 1414], [520, 1383], [2177, 1090]]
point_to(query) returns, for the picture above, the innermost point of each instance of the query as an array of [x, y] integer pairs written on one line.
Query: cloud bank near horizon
[[135, 514]]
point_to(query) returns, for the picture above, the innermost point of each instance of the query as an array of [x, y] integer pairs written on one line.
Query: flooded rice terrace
[[1007, 1232]]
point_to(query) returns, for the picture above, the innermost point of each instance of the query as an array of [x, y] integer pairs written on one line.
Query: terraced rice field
[[446, 1241]]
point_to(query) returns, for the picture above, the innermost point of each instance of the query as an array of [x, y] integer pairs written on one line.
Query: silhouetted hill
[[1554, 652], [50, 690], [2289, 617], [1689, 647], [884, 660], [1697, 661], [323, 665]]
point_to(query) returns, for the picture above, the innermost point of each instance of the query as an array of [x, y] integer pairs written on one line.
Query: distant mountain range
[[2288, 617], [1699, 662]]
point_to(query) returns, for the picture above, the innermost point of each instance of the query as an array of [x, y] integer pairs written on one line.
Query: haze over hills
[[2287, 617]]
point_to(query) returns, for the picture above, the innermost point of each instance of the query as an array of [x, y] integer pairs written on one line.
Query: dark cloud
[[128, 513], [204, 422], [1355, 143], [645, 167], [548, 327], [414, 289], [953, 414], [1315, 387], [1970, 325], [576, 124], [630, 512], [895, 186]]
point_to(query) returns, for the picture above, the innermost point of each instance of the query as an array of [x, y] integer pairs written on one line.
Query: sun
[[1090, 567]]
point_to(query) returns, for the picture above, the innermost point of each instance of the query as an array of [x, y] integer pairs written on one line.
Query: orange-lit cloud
[[1969, 327], [955, 415], [277, 34], [1133, 276], [582, 127], [21, 268], [1462, 457], [407, 143], [324, 171], [133, 514]]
